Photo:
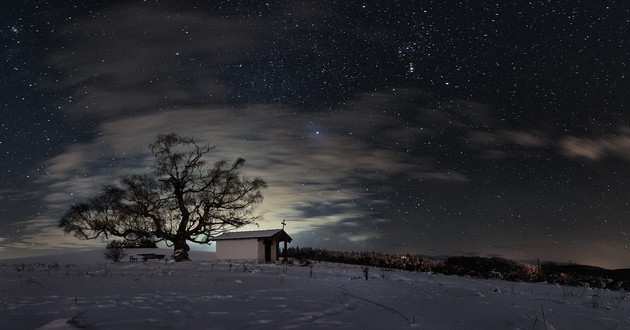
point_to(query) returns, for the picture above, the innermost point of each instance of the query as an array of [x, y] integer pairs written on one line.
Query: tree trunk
[[180, 249]]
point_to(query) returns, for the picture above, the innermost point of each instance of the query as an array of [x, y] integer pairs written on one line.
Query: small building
[[257, 245]]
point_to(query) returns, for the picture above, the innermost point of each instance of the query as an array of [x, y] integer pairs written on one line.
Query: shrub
[[115, 254], [144, 242]]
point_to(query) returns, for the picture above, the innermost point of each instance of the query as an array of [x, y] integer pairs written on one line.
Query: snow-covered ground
[[82, 290]]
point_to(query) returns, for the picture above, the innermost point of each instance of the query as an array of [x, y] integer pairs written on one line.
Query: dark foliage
[[499, 268], [478, 267], [143, 243], [582, 275], [115, 254], [374, 259]]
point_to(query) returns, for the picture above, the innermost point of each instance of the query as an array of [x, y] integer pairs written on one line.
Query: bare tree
[[185, 199]]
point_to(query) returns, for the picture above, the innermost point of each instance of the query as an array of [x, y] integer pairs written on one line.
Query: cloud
[[361, 237], [313, 163], [500, 143], [305, 171], [583, 148], [71, 159], [135, 58], [299, 169], [596, 148], [522, 138], [41, 234]]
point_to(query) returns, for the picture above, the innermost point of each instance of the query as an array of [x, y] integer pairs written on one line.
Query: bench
[[147, 256]]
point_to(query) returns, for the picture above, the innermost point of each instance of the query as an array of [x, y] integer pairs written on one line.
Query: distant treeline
[[477, 267]]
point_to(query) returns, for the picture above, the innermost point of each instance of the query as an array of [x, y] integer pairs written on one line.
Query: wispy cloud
[[136, 59], [497, 142], [41, 234], [314, 162], [596, 148]]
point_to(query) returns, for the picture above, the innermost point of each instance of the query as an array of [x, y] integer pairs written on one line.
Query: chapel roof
[[278, 234]]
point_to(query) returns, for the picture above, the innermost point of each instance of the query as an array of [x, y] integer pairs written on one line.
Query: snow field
[[83, 290]]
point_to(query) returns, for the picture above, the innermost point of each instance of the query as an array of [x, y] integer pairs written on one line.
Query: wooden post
[[284, 253]]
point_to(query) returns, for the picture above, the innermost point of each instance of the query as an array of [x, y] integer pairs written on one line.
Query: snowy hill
[[82, 290]]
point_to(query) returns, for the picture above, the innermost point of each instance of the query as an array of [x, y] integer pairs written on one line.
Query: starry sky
[[426, 127]]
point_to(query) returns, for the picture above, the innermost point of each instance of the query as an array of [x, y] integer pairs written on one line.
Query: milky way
[[422, 127]]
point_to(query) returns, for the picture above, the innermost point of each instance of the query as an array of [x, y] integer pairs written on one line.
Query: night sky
[[424, 127]]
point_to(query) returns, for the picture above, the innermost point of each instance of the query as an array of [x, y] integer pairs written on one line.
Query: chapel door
[[268, 244]]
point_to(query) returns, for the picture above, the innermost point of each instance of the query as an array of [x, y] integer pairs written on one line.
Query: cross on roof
[[283, 224]]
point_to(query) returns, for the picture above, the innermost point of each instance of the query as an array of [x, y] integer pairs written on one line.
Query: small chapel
[[258, 245]]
